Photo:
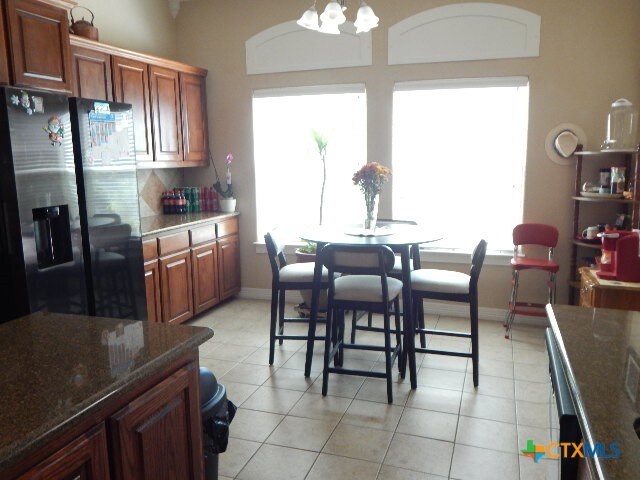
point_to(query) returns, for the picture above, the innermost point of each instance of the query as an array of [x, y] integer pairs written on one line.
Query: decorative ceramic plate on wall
[[562, 141]]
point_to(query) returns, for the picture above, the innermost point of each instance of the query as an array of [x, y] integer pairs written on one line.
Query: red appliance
[[622, 249]]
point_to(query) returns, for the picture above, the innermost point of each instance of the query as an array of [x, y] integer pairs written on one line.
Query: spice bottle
[[617, 180], [605, 178]]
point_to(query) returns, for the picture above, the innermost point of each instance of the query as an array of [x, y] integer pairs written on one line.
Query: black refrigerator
[[70, 238]]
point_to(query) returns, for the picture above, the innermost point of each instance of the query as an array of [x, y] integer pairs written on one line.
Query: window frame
[[454, 254], [306, 90]]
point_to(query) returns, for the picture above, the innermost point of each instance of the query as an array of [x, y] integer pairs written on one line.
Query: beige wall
[[141, 25], [588, 58]]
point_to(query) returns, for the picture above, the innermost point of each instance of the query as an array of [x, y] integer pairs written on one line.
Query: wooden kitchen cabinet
[[228, 258], [175, 278], [157, 435], [165, 107], [190, 272], [595, 292], [120, 399], [38, 38], [168, 98], [91, 74], [85, 457], [152, 279], [5, 77], [195, 131], [204, 260], [152, 290], [131, 85]]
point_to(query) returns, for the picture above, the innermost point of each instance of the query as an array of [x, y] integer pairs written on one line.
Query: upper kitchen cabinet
[[168, 98], [38, 45], [165, 105], [4, 57], [91, 74], [195, 134], [131, 85]]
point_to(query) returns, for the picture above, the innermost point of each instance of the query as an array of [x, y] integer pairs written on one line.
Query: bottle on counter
[[204, 199], [191, 199], [215, 204], [173, 201], [187, 200], [209, 195], [165, 202], [183, 202], [196, 199]]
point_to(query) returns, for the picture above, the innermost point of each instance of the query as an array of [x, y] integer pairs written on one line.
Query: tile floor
[[285, 428]]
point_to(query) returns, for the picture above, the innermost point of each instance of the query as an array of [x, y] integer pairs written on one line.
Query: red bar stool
[[531, 234]]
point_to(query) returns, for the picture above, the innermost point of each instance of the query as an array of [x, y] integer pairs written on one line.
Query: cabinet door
[[84, 458], [167, 125], [159, 436], [204, 260], [175, 284], [39, 45], [4, 52], [229, 261], [195, 132], [152, 290], [131, 85], [91, 74]]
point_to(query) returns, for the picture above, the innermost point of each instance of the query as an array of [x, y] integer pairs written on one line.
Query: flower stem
[[324, 181]]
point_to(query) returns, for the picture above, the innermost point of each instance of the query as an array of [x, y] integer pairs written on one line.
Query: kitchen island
[[99, 398], [599, 350]]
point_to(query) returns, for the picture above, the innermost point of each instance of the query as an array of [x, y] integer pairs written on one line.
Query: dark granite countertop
[[165, 223], [600, 351], [58, 369]]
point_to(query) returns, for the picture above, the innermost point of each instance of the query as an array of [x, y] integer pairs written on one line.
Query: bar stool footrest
[[444, 352]]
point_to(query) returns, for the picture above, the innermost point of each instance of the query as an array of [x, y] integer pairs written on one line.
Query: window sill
[[428, 255]]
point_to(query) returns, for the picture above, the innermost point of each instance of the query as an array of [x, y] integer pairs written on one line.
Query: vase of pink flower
[[226, 199], [370, 179]]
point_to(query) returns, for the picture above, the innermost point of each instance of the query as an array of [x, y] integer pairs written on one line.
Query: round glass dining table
[[400, 238]]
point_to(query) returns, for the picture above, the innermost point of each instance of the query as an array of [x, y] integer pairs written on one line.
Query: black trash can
[[217, 413]]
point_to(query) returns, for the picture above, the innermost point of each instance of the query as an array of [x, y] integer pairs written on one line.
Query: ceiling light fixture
[[333, 17]]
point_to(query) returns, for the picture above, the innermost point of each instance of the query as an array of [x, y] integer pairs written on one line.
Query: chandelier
[[333, 16]]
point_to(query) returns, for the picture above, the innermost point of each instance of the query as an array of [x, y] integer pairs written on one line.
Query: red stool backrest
[[535, 234]]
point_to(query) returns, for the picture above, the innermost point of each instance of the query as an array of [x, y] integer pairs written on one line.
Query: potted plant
[[306, 253], [226, 198]]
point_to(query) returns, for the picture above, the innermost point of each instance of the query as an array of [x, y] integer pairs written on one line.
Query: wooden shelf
[[596, 246], [586, 153], [601, 200]]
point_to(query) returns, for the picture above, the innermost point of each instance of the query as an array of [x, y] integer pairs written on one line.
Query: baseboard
[[437, 308]]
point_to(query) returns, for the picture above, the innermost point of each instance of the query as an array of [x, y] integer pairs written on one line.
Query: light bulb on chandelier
[[333, 16]]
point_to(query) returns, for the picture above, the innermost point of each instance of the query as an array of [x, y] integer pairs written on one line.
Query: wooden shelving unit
[[628, 158]]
